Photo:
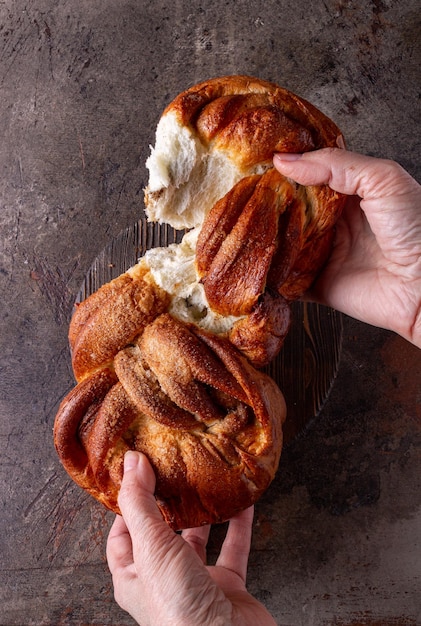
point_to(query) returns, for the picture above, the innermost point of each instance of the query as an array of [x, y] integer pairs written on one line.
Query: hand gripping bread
[[219, 131], [165, 355]]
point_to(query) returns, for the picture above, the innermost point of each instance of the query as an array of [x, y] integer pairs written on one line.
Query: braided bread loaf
[[165, 355]]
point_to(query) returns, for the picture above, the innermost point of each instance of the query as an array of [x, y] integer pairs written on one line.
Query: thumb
[[136, 498], [348, 172]]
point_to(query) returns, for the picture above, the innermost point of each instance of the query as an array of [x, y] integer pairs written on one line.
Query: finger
[[137, 488], [347, 172], [138, 505], [119, 546], [235, 550], [197, 538]]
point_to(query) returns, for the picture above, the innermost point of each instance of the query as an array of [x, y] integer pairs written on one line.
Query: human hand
[[374, 271], [160, 577]]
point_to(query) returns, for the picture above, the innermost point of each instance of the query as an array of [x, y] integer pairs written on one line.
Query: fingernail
[[287, 156], [131, 460]]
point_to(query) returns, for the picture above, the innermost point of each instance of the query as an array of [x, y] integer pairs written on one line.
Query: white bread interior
[[185, 181], [186, 178], [173, 269]]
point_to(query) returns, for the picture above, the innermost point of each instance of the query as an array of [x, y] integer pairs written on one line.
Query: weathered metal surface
[[337, 537]]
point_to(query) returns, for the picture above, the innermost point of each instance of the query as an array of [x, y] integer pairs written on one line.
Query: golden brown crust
[[111, 318], [234, 274], [260, 335], [216, 449], [75, 417], [250, 118]]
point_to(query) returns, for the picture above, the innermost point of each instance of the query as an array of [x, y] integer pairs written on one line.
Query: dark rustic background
[[82, 84]]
